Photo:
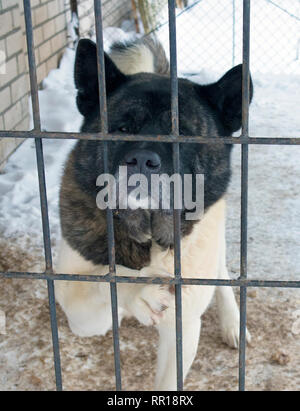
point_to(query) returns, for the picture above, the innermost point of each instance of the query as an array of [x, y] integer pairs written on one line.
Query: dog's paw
[[152, 300], [150, 303], [231, 334]]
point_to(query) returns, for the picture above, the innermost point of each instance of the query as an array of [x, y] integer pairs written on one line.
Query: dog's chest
[[200, 250]]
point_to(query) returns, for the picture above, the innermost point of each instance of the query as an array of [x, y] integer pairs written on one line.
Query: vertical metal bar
[[74, 6], [246, 68], [244, 187], [42, 190], [173, 68], [242, 345], [32, 66], [176, 213], [109, 215], [101, 66], [48, 259], [233, 32]]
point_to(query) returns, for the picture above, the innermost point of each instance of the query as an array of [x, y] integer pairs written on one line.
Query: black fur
[[86, 76]]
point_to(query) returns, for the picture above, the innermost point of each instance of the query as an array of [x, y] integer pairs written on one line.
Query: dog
[[138, 101]]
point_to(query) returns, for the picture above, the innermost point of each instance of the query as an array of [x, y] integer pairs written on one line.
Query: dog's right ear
[[226, 97], [86, 76]]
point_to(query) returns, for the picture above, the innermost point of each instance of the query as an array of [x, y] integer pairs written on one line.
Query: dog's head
[[141, 104]]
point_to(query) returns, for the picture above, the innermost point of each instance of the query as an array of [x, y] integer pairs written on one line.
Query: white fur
[[87, 305], [136, 59]]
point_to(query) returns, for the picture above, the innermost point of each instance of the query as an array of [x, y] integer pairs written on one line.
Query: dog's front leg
[[194, 302], [88, 305], [166, 374], [228, 310]]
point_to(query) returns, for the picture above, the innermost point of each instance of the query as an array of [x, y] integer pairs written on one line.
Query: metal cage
[[244, 140]]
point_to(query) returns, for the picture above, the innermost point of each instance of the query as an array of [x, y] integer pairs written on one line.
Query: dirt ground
[[273, 359]]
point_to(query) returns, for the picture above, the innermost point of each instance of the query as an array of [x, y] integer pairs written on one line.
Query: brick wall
[[49, 19]]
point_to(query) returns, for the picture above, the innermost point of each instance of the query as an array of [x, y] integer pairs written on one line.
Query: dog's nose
[[143, 161]]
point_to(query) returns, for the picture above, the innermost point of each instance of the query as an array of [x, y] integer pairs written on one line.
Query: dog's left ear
[[226, 97], [86, 76]]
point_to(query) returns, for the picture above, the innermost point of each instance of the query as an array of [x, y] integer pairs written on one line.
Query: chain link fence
[[209, 42], [210, 32]]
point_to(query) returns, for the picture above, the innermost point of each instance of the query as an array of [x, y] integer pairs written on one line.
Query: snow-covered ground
[[274, 237]]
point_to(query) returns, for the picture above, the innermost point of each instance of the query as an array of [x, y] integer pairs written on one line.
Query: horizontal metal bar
[[239, 282], [155, 138]]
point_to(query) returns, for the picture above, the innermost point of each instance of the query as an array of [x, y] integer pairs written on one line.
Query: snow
[[58, 97], [205, 36], [19, 202]]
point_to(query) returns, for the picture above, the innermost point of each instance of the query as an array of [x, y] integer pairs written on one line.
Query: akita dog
[[138, 99]]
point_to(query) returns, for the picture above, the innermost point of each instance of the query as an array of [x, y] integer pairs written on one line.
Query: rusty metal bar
[[24, 275], [42, 189], [289, 141], [176, 212], [109, 215], [244, 188]]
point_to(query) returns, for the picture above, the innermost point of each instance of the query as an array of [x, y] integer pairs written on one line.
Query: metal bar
[[23, 275], [188, 8], [176, 212], [44, 204], [74, 6], [109, 215], [173, 68], [48, 261], [242, 344], [32, 66], [233, 31], [244, 187], [289, 141], [42, 190], [246, 69], [101, 66]]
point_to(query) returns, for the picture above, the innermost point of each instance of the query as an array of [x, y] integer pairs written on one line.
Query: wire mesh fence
[[209, 41], [209, 32]]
